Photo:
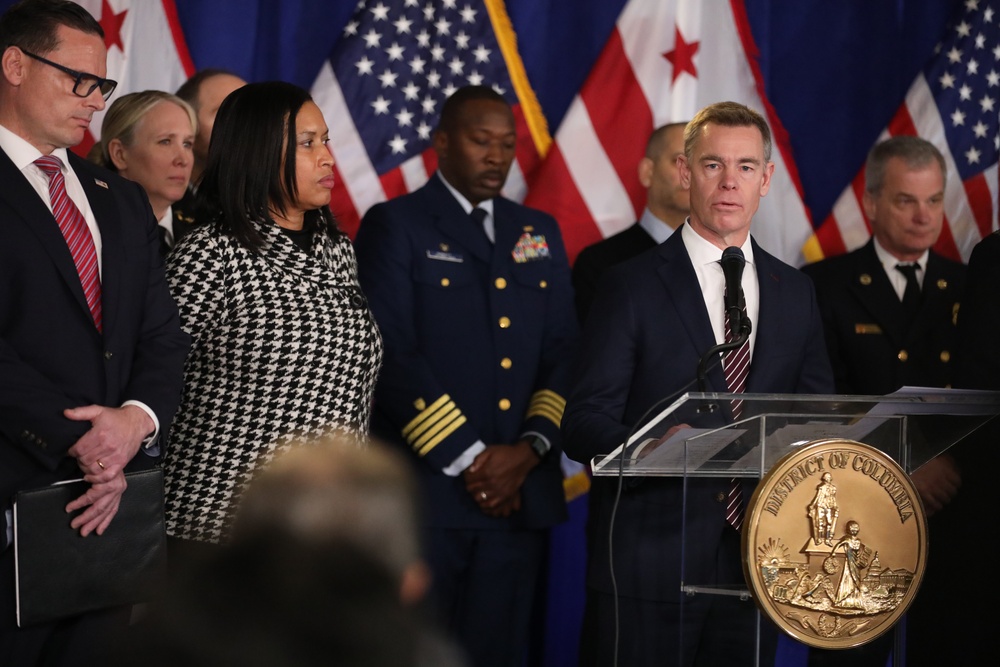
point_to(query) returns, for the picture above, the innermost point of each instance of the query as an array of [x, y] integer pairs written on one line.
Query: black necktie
[[478, 216], [911, 296]]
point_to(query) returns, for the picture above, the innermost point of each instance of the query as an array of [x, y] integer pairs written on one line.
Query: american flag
[[386, 79], [955, 104]]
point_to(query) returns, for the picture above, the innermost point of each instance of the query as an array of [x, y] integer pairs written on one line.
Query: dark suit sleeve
[[431, 421], [827, 300], [978, 356], [157, 372], [816, 377], [586, 270], [31, 410], [593, 423]]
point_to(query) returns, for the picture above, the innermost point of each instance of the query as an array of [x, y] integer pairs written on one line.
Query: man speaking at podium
[[661, 312]]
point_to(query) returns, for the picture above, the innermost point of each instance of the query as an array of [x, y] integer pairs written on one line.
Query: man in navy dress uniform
[[472, 295]]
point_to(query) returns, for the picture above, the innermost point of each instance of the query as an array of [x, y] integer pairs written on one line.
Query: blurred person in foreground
[[284, 346], [324, 568], [147, 137]]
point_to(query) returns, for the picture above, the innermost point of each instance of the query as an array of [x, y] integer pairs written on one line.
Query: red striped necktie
[[736, 365], [78, 237]]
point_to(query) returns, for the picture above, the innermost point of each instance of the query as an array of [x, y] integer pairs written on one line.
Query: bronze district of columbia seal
[[835, 543]]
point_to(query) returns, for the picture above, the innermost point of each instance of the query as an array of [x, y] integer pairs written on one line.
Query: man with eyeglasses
[[91, 350]]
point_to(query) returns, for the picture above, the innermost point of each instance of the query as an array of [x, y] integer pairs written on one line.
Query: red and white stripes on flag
[[146, 49], [663, 62], [955, 104]]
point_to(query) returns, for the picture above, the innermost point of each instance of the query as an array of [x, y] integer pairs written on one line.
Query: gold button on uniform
[[445, 282], [945, 356], [504, 322], [500, 283], [543, 284], [506, 363], [903, 355], [504, 404]]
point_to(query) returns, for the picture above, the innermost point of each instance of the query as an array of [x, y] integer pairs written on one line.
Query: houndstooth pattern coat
[[283, 347]]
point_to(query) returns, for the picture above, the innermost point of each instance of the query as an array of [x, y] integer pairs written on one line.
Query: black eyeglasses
[[84, 84]]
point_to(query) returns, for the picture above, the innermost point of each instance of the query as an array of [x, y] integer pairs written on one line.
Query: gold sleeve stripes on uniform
[[547, 403], [432, 425]]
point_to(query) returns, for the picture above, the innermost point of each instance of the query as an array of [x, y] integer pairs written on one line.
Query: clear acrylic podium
[[911, 426]]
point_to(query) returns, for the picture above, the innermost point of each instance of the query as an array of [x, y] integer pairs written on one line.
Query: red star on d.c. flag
[[682, 57], [112, 25]]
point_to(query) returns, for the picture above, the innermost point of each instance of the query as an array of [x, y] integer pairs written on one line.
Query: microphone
[[733, 263], [732, 267]]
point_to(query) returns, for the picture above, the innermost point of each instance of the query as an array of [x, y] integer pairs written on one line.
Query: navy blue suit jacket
[[648, 329], [595, 259], [453, 373], [51, 355]]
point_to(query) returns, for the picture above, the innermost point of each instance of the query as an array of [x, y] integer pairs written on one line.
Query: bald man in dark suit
[[667, 205]]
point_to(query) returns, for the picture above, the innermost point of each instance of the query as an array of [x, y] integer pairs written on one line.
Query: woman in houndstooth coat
[[283, 345]]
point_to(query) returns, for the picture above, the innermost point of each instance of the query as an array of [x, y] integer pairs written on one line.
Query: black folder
[[60, 574]]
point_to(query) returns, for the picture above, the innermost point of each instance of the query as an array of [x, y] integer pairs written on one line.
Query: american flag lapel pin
[[101, 183]]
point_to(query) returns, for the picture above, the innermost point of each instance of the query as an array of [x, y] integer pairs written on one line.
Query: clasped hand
[[102, 453], [495, 477]]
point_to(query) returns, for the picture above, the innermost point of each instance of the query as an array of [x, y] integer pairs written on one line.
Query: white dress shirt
[[705, 257], [656, 228], [896, 277]]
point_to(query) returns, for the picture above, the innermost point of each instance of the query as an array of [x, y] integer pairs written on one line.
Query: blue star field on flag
[[400, 59], [965, 81]]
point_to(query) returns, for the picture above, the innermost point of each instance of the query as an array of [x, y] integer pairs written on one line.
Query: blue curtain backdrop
[[835, 73]]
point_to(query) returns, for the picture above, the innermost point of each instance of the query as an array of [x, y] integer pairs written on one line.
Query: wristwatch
[[539, 446]]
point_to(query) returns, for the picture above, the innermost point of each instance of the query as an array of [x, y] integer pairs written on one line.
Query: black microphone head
[[733, 263], [733, 255]]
